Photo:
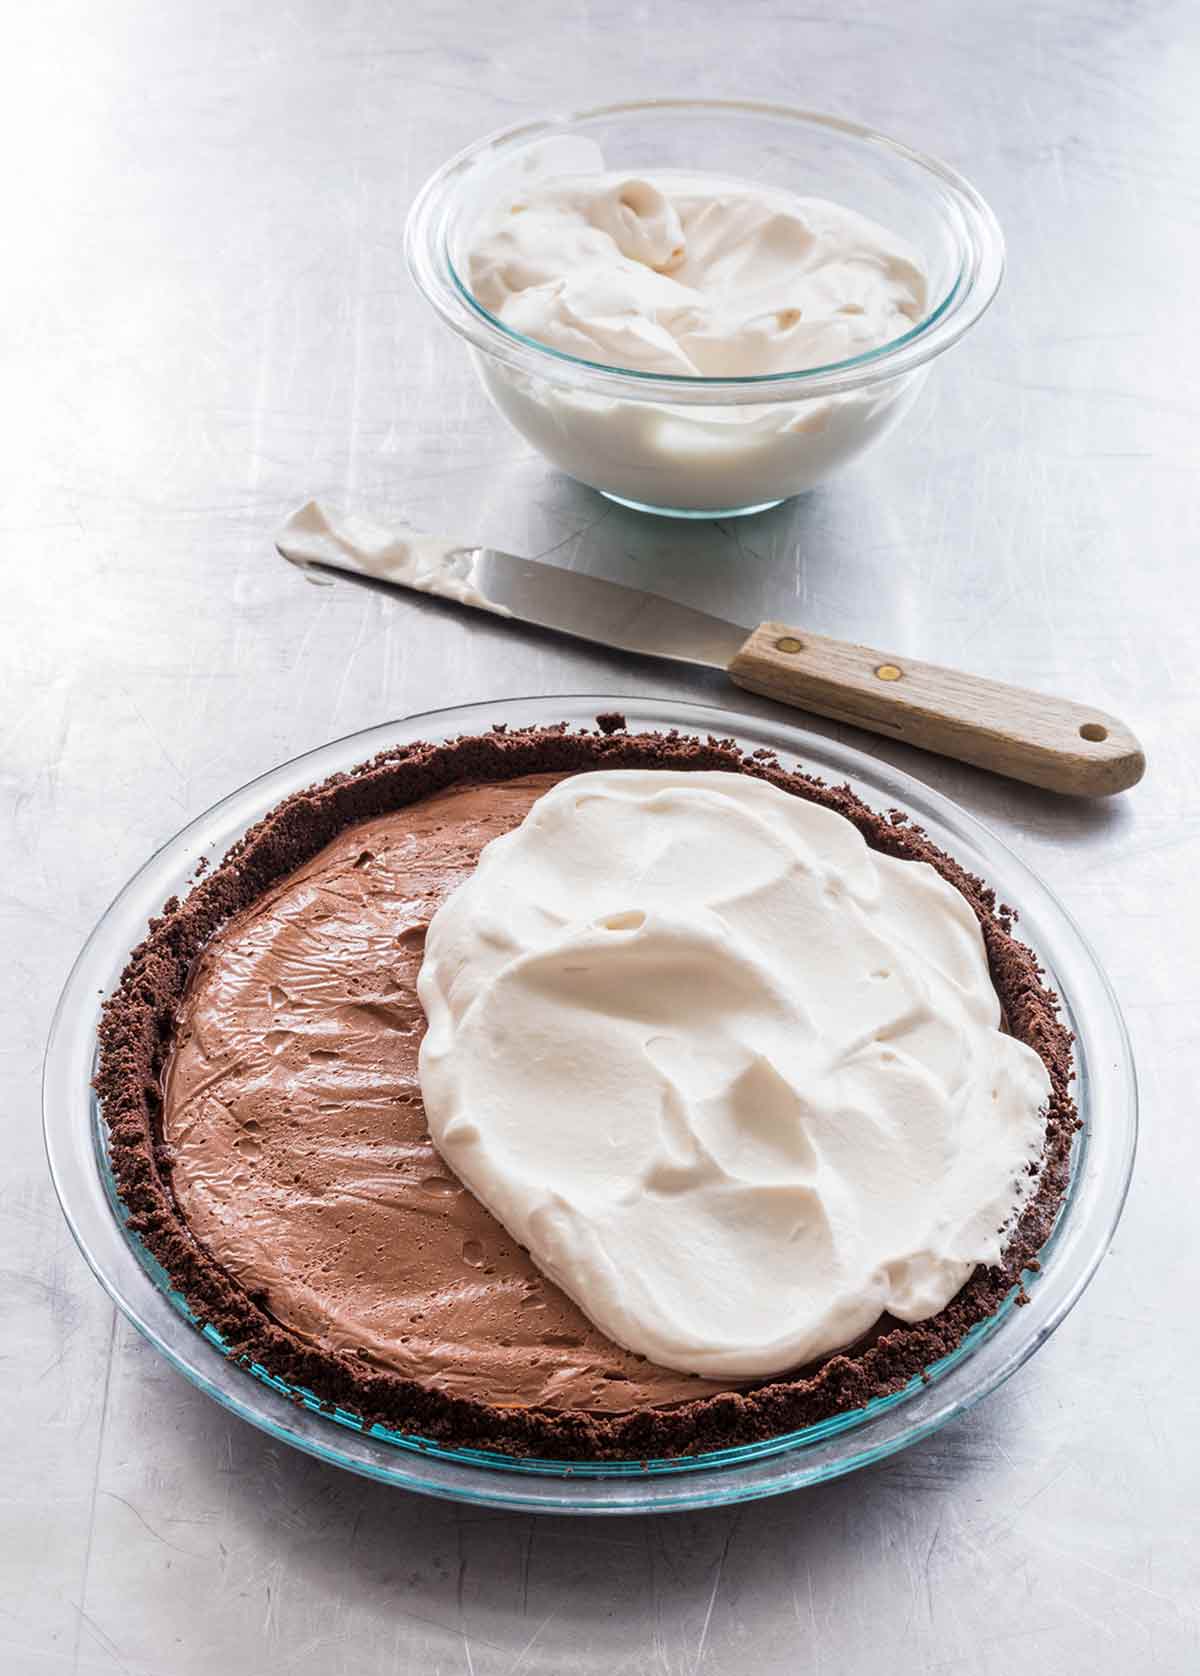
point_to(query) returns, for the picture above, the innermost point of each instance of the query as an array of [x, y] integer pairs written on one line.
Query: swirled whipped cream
[[736, 1080], [692, 275]]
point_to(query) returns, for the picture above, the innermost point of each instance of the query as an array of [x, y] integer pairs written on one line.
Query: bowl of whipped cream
[[702, 307]]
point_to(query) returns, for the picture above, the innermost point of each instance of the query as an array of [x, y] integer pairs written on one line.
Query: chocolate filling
[[285, 1179]]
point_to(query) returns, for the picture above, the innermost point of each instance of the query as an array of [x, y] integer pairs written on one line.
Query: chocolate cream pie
[[259, 1075]]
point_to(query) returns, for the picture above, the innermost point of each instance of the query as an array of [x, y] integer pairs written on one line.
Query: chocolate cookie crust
[[135, 1041]]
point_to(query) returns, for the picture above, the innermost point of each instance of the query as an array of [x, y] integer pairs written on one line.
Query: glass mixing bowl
[[709, 447], [1101, 1164]]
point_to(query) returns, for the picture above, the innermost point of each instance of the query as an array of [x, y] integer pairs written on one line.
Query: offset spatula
[[1050, 742]]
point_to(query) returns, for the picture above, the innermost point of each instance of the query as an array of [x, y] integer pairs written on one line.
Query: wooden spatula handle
[[1044, 741]]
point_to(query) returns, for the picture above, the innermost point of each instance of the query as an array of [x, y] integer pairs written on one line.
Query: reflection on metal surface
[[212, 323]]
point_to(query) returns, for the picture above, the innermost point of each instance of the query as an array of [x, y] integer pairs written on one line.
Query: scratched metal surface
[[204, 321]]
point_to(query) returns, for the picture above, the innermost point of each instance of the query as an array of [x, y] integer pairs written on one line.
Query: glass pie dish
[[1101, 1164]]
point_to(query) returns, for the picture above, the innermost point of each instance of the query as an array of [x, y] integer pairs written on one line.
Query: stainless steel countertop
[[205, 321]]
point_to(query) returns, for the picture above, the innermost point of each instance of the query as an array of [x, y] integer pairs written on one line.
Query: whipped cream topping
[[735, 1080], [692, 275], [425, 563]]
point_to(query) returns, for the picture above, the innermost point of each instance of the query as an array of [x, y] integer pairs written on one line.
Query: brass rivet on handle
[[888, 672], [789, 644]]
